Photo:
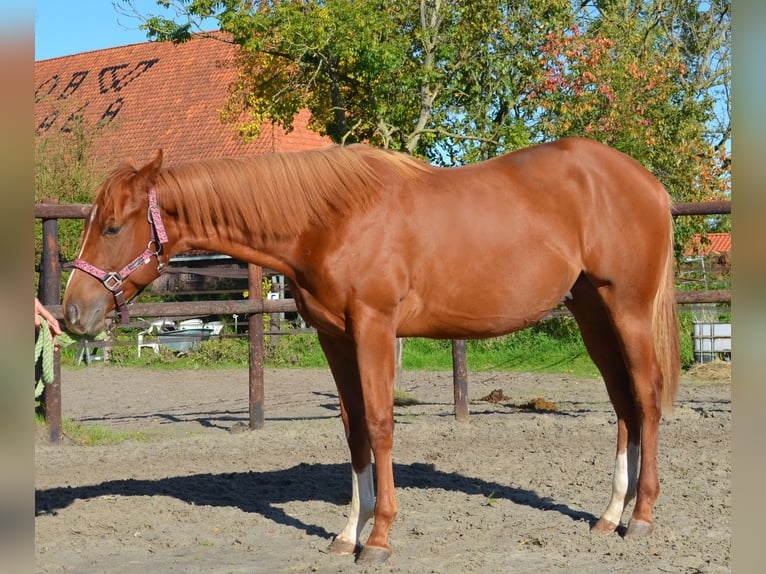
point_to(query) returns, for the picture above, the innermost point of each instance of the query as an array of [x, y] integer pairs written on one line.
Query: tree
[[643, 78], [435, 78]]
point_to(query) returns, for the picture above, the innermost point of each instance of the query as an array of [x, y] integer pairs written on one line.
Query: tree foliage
[[647, 77], [435, 78], [457, 81]]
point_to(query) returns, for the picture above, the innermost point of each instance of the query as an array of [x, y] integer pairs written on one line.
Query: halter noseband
[[112, 280]]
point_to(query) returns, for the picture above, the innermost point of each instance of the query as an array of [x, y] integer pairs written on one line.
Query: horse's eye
[[111, 229]]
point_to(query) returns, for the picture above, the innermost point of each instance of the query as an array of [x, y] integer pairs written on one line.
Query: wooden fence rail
[[266, 306], [50, 295], [51, 210]]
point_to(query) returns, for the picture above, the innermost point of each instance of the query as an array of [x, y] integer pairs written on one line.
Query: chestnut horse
[[375, 244]]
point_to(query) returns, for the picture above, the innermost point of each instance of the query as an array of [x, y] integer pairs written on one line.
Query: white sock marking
[[362, 504], [623, 483]]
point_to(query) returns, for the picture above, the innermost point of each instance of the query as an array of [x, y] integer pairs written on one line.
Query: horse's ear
[[147, 175]]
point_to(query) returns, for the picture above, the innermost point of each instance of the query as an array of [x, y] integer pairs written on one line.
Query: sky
[[63, 28]]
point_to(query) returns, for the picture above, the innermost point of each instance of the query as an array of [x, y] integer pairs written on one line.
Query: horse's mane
[[280, 194]]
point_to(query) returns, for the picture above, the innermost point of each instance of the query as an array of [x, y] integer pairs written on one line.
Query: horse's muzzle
[[86, 321]]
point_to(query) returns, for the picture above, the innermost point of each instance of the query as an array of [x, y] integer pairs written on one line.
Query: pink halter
[[112, 280]]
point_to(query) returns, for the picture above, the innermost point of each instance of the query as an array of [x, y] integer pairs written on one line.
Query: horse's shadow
[[221, 419], [262, 492]]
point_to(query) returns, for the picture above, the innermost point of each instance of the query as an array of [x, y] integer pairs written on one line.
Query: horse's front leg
[[374, 336], [341, 356], [361, 510]]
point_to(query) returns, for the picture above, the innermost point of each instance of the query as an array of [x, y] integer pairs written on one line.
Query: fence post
[[49, 293], [255, 328], [460, 379]]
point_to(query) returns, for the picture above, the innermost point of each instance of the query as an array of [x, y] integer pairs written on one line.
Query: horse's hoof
[[373, 555], [604, 526], [639, 529], [341, 547]]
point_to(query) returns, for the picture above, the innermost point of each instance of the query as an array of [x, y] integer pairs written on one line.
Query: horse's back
[[576, 168], [563, 191]]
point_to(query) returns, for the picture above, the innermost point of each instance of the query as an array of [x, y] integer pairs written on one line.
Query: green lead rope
[[44, 354]]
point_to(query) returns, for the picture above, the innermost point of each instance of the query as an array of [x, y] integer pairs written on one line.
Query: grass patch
[[405, 399], [553, 346], [93, 435], [300, 351], [520, 352]]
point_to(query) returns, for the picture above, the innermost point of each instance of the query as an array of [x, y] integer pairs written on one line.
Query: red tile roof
[[717, 243], [155, 95]]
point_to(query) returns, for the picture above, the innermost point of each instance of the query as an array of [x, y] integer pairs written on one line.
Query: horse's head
[[120, 249]]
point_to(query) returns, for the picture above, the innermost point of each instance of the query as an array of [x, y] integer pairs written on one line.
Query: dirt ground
[[509, 491]]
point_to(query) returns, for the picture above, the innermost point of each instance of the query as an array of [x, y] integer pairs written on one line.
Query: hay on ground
[[714, 371]]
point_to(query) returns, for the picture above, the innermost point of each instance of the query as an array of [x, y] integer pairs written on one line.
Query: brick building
[[158, 95], [155, 95]]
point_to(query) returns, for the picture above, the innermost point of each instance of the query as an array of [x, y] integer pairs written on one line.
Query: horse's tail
[[665, 331]]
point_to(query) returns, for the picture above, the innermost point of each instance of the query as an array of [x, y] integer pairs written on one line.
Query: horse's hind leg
[[341, 356], [632, 318], [604, 348]]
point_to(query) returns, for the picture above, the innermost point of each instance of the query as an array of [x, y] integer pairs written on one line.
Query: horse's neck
[[276, 254]]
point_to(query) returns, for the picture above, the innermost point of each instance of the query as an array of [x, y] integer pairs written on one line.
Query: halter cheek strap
[[112, 280]]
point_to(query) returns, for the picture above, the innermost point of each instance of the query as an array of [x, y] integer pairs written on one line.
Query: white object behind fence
[[711, 340]]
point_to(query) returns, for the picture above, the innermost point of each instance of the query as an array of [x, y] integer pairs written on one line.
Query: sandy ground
[[509, 491]]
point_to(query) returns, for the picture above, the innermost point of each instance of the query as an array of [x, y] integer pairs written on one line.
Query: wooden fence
[[50, 295]]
